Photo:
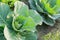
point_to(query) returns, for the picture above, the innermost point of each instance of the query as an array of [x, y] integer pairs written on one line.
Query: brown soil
[[45, 30]]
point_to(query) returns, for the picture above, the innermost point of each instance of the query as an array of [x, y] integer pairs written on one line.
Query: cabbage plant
[[18, 24], [48, 9]]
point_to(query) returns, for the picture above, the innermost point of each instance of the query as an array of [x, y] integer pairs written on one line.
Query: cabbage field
[[29, 19]]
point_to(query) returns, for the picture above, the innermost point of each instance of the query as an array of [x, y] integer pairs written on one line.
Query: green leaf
[[58, 3], [54, 17], [57, 6], [2, 34], [30, 35], [32, 4], [36, 17], [49, 21], [52, 3], [29, 24], [4, 10], [38, 7], [9, 19], [48, 7], [11, 34], [21, 8], [18, 22]]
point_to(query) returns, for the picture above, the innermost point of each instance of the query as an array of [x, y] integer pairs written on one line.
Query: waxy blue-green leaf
[[21, 8], [30, 35], [2, 34], [11, 34], [37, 6], [32, 4], [36, 17], [54, 17], [9, 19], [4, 10], [49, 21]]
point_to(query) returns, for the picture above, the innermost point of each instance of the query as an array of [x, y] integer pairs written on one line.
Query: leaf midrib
[[3, 20]]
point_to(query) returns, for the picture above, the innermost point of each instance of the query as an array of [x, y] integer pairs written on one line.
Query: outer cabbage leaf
[[2, 34], [21, 8], [30, 35], [4, 10], [32, 4], [36, 17], [49, 21], [11, 34]]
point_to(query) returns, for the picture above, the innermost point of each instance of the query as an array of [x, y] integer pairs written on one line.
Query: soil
[[46, 32]]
